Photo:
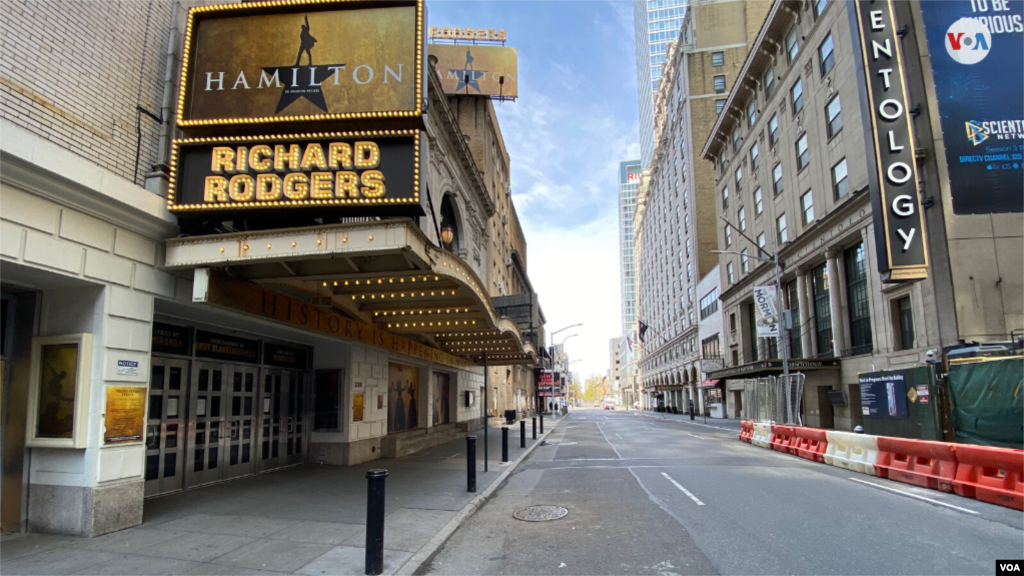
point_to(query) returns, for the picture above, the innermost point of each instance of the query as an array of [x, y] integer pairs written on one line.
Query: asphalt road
[[653, 496]]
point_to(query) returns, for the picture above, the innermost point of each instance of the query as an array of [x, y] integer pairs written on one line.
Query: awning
[[773, 367], [382, 274], [709, 383]]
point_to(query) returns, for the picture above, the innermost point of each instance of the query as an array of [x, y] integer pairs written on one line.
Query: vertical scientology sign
[[977, 60], [899, 230]]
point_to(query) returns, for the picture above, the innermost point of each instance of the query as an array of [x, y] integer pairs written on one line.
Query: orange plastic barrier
[[918, 462], [811, 444], [784, 439], [992, 475], [746, 430]]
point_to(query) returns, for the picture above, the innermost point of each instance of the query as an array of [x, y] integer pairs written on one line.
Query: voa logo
[[968, 41]]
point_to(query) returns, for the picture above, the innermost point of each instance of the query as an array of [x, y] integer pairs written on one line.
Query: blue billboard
[[884, 395], [977, 57]]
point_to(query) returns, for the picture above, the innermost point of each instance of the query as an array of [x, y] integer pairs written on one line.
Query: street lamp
[[783, 345]]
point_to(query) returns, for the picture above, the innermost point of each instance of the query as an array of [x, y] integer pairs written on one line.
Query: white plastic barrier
[[762, 435], [857, 452]]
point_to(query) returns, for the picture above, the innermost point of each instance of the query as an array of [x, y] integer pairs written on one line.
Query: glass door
[[282, 419], [206, 424], [293, 433], [270, 421], [165, 425], [239, 401]]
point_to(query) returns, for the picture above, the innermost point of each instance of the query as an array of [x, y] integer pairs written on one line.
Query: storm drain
[[540, 513]]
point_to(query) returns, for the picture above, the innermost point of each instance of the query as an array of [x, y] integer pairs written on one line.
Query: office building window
[[739, 179], [780, 227], [751, 112], [689, 295], [840, 185], [827, 54], [803, 154], [725, 198], [793, 302], [732, 322], [744, 261], [728, 236], [777, 185], [819, 7], [807, 206], [755, 156], [905, 318], [719, 106], [719, 84], [857, 299], [729, 273], [835, 117], [689, 243], [758, 202], [797, 95], [769, 83], [742, 216], [689, 271], [718, 59], [709, 304], [822, 311], [773, 130], [792, 46], [735, 139], [761, 242], [751, 333], [711, 347]]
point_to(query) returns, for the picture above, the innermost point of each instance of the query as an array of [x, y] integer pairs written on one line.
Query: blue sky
[[574, 121]]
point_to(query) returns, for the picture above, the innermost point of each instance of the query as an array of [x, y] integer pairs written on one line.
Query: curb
[[430, 549]]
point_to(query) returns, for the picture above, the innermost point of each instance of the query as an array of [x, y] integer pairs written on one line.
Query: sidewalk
[[307, 520]]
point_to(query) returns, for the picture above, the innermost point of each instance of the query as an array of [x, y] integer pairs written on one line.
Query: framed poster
[[59, 386], [357, 407], [125, 414]]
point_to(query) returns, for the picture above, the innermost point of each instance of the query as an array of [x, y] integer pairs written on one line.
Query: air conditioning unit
[[504, 219], [508, 261]]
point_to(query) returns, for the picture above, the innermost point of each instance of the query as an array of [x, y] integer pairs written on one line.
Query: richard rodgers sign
[[317, 170], [899, 233]]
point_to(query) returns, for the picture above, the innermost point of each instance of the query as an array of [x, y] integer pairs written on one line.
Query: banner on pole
[[767, 312]]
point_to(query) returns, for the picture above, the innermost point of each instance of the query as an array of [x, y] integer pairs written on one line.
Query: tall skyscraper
[[656, 23], [629, 181]]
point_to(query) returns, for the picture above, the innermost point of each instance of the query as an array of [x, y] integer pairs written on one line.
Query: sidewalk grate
[[542, 513]]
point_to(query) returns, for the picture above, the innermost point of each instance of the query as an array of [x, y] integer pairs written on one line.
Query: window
[[711, 347], [742, 215], [732, 322], [773, 130], [728, 236], [857, 300], [803, 154], [744, 261], [739, 179], [719, 106], [755, 156], [835, 117], [729, 273], [780, 227], [725, 198], [735, 139], [720, 84], [840, 186], [735, 357], [689, 295], [689, 270], [751, 113], [807, 206], [709, 304], [758, 202], [792, 46], [828, 57], [751, 351], [777, 185], [819, 7], [689, 243], [822, 311], [793, 302], [761, 242], [769, 83], [905, 321], [718, 59], [797, 94]]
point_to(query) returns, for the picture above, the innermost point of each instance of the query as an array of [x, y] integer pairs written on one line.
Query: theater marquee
[[379, 168], [477, 70], [269, 62]]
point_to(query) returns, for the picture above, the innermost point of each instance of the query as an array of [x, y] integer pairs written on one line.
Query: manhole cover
[[540, 513]]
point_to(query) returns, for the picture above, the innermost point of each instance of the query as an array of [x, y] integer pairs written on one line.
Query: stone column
[[835, 302], [805, 311], [812, 318]]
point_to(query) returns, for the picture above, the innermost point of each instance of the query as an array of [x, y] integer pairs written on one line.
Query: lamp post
[[783, 345]]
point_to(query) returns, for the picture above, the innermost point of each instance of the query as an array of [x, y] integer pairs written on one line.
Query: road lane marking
[[685, 491], [902, 493], [609, 442], [617, 434], [695, 436]]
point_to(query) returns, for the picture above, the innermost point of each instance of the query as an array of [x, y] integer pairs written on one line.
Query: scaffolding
[[764, 399]]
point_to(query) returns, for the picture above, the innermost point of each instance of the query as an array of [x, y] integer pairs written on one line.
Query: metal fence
[[764, 399]]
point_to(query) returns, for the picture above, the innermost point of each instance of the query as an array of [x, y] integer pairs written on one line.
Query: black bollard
[[522, 433], [375, 521], [541, 422], [470, 463], [504, 443], [534, 427]]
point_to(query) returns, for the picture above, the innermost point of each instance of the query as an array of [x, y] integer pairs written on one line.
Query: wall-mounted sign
[[977, 58], [280, 61], [884, 395], [477, 70], [170, 339], [902, 252], [295, 171], [285, 356], [767, 320], [222, 347], [125, 414], [475, 34]]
